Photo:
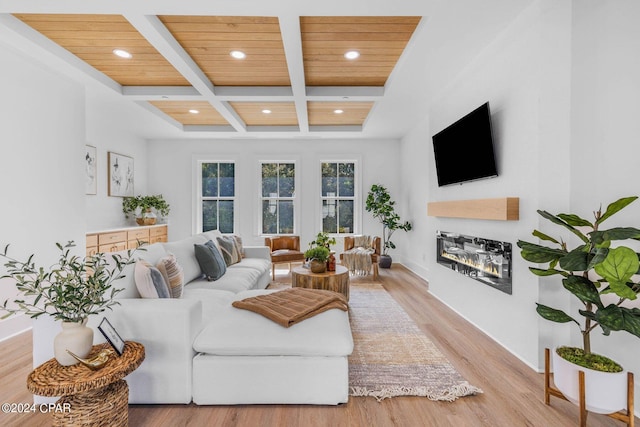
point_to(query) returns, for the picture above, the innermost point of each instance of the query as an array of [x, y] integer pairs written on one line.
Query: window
[[278, 198], [217, 196], [338, 197]]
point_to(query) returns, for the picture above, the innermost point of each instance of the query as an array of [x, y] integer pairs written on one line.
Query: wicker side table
[[94, 398]]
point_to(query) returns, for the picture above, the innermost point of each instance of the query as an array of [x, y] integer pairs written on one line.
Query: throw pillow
[[228, 249], [149, 281], [239, 247], [173, 274], [210, 260]]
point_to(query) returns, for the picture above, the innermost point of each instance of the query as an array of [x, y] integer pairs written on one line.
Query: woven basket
[[105, 407]]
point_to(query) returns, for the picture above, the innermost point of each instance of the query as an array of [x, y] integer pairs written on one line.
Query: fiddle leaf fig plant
[[382, 208], [590, 270]]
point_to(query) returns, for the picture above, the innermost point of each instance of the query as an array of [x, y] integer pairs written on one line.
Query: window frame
[[356, 198], [295, 198], [199, 198]]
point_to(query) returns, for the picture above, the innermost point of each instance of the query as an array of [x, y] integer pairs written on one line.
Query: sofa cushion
[[173, 274], [149, 281], [210, 260], [227, 245], [235, 280], [212, 300], [183, 250], [240, 332], [259, 264]]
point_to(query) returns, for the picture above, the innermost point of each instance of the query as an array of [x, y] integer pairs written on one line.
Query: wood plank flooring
[[513, 393]]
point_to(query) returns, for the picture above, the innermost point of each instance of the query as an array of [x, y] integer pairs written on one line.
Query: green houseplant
[[70, 291], [318, 257], [141, 207], [323, 239], [599, 275], [382, 208]]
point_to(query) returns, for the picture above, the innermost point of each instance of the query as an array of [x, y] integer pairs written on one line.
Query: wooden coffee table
[[337, 281]]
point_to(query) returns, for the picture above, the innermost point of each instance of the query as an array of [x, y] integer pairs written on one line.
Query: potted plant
[[318, 257], [323, 239], [70, 291], [600, 276], [381, 206], [141, 207]]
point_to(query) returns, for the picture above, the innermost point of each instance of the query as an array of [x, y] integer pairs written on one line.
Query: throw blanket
[[293, 305], [358, 259]]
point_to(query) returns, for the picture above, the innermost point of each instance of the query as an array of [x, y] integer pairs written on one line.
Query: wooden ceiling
[[182, 63]]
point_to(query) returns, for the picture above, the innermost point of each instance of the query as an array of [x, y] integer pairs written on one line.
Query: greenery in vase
[[131, 204], [589, 271], [319, 253], [323, 239], [382, 208], [70, 290]]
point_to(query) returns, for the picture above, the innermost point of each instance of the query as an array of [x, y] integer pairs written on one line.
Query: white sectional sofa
[[199, 348]]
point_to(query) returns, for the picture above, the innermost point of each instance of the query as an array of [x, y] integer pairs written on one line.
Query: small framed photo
[[111, 335]]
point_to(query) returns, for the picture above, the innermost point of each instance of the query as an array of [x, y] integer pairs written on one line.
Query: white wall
[[108, 130], [524, 74], [606, 129], [42, 141], [171, 172]]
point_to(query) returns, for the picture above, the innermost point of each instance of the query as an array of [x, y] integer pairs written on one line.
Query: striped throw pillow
[[228, 249], [173, 274]]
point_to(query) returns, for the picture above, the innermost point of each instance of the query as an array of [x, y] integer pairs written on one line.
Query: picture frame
[[112, 336], [91, 167], [120, 175]]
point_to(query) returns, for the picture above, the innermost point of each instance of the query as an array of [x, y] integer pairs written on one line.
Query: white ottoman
[[245, 358]]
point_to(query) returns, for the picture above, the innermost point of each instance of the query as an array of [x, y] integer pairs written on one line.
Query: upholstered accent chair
[[284, 250], [349, 243]]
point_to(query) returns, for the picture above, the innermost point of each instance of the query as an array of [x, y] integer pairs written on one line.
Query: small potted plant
[[70, 291], [317, 257], [141, 207], [382, 208], [601, 277], [323, 239]]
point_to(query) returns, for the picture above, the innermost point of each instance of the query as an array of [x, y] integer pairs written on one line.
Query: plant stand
[[625, 416]]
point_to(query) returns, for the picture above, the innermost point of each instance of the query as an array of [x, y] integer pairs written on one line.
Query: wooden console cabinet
[[125, 238]]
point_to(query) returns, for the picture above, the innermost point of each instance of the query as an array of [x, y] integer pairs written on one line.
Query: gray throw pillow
[[210, 260]]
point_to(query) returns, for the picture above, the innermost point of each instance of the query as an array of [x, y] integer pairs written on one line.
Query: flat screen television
[[464, 150]]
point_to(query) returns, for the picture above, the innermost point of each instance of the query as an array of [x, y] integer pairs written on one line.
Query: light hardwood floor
[[513, 393]]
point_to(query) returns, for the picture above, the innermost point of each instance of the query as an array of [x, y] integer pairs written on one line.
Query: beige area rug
[[391, 356]]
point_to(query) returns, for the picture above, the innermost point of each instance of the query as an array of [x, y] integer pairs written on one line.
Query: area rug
[[392, 357]]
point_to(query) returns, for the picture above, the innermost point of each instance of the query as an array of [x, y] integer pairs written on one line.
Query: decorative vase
[[147, 218], [317, 266], [331, 262], [385, 261], [76, 337], [605, 392]]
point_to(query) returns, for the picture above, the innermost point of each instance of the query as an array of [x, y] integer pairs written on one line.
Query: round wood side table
[[89, 397], [337, 281]]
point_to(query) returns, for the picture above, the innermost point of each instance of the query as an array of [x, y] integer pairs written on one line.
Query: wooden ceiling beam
[[290, 29], [161, 38]]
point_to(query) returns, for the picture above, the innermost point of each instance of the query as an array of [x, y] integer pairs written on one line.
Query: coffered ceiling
[[294, 80]]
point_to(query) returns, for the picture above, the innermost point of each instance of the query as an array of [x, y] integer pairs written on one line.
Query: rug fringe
[[453, 393]]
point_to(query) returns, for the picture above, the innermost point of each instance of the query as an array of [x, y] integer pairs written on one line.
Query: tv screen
[[464, 150]]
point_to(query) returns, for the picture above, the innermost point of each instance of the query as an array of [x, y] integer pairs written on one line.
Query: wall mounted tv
[[464, 150]]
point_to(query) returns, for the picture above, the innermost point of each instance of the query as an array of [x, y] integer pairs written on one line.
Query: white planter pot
[[605, 392], [76, 337]]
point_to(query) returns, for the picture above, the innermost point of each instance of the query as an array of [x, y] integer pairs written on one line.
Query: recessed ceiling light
[[265, 111], [122, 53], [238, 54], [352, 54], [338, 111], [194, 111]]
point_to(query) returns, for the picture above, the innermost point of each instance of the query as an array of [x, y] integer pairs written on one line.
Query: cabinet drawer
[[140, 234], [158, 239], [158, 231], [92, 240], [113, 247], [106, 238], [92, 250]]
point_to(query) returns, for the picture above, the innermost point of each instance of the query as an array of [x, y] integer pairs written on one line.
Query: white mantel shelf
[[501, 209]]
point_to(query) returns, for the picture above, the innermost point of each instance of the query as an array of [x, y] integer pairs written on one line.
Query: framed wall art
[[90, 168], [120, 177]]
